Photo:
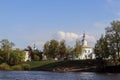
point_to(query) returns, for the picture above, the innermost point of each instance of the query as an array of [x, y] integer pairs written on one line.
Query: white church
[[87, 51]]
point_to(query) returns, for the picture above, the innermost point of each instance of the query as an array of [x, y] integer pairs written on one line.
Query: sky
[[26, 22]]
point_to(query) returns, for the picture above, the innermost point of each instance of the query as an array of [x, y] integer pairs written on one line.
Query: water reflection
[[39, 75]]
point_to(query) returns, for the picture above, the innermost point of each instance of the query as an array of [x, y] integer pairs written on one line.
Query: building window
[[85, 51], [88, 51]]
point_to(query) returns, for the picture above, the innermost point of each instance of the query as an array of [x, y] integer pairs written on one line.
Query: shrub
[[25, 66], [4, 66], [17, 67], [36, 58]]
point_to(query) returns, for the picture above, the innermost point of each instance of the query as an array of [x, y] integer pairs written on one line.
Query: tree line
[[58, 49], [52, 49]]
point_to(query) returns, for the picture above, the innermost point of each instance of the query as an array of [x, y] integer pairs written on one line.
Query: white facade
[[87, 51], [27, 56]]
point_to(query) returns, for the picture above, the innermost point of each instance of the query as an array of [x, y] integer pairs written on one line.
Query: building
[[27, 56], [87, 51]]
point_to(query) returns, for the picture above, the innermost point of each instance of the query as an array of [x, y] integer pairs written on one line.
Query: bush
[[4, 66], [36, 58], [25, 66], [17, 67]]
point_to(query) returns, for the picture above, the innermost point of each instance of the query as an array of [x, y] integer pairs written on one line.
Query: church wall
[[87, 53]]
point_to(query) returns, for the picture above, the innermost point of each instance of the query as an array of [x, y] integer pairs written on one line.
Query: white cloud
[[90, 38], [71, 37], [68, 36]]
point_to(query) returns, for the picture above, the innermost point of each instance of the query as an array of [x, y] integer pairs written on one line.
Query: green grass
[[34, 65]]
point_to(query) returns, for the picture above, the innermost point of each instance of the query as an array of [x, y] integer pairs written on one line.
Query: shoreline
[[66, 66]]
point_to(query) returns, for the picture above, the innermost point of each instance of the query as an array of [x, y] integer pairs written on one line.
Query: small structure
[[27, 56], [87, 51]]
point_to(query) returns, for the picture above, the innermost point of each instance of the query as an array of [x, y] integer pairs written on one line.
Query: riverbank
[[72, 66], [64, 66]]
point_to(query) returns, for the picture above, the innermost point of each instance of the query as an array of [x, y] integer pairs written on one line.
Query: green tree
[[16, 57], [5, 50], [102, 48], [113, 33], [36, 57], [62, 49], [69, 50], [46, 49], [108, 47], [38, 54], [53, 48], [6, 45], [78, 48]]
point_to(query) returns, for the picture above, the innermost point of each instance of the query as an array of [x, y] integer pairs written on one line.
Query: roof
[[86, 47]]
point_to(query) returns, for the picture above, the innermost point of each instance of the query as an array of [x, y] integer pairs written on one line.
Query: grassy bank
[[77, 65], [37, 65]]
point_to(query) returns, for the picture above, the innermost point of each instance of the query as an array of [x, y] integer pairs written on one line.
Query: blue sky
[[25, 22]]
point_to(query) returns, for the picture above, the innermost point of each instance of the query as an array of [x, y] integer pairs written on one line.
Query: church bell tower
[[84, 41]]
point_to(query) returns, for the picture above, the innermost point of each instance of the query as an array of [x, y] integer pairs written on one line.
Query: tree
[[16, 57], [6, 49], [78, 48], [53, 48], [113, 33], [101, 48], [46, 49], [6, 45], [69, 50], [37, 55], [108, 47], [62, 49]]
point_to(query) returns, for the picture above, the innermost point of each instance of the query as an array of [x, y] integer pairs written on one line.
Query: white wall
[[27, 57], [87, 53]]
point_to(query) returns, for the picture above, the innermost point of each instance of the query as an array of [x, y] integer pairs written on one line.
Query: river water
[[40, 75]]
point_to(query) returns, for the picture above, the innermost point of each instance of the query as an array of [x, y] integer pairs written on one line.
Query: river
[[40, 75]]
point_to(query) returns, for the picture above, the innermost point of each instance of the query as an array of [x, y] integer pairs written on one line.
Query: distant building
[[87, 51], [27, 56], [27, 53]]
